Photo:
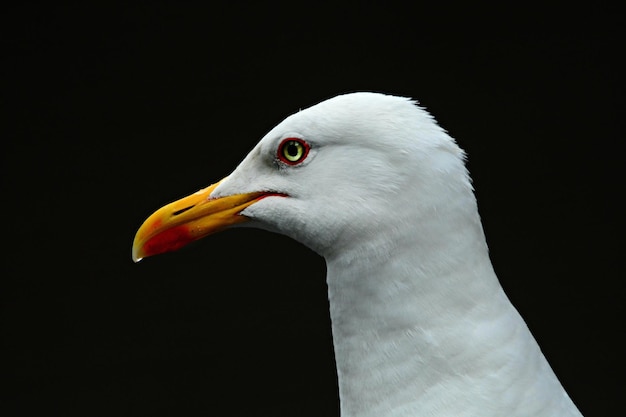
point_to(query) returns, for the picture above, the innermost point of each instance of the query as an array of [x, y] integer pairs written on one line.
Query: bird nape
[[421, 326]]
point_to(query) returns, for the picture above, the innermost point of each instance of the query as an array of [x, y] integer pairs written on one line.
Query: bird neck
[[417, 334]]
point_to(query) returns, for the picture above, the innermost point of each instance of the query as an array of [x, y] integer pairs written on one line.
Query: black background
[[111, 111]]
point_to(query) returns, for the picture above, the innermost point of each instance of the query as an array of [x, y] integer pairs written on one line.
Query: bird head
[[348, 166]]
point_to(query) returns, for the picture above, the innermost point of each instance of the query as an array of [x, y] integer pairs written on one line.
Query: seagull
[[421, 325]]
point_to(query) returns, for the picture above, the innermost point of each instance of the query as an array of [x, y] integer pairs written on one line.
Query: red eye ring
[[293, 151]]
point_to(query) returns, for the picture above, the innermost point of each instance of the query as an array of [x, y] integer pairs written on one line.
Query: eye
[[292, 151]]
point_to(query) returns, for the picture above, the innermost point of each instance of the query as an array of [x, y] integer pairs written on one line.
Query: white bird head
[[353, 165]]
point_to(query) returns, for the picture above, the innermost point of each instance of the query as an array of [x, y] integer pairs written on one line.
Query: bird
[[421, 325]]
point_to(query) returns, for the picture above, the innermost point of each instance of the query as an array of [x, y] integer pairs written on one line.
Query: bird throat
[[399, 327]]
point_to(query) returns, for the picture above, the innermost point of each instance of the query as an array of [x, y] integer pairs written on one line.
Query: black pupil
[[292, 149]]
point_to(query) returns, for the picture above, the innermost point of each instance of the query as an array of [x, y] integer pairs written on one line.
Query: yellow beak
[[175, 225]]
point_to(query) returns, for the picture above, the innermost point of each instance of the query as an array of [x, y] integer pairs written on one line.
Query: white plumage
[[421, 325]]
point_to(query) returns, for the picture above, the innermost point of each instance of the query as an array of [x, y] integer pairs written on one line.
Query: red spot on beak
[[168, 240]]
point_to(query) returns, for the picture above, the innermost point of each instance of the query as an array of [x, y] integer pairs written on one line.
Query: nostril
[[177, 212]]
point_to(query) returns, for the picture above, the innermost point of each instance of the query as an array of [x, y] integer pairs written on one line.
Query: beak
[[175, 225]]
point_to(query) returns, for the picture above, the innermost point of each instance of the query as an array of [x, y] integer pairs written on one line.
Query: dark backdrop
[[111, 111]]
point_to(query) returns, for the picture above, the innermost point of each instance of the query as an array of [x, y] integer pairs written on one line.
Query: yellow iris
[[293, 150]]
